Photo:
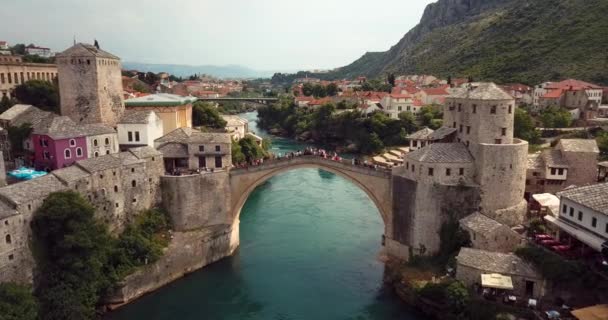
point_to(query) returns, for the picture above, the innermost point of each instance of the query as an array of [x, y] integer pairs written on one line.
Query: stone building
[[175, 111], [570, 162], [472, 263], [186, 149], [90, 85], [480, 167], [490, 235], [426, 136], [13, 72], [119, 186], [236, 126]]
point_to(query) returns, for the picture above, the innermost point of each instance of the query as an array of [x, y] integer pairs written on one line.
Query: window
[[136, 135], [448, 172], [461, 171], [468, 129], [572, 212], [560, 172], [415, 144], [564, 208], [407, 165], [460, 130], [474, 108], [201, 148], [606, 228], [79, 152], [218, 162], [46, 155], [8, 239], [133, 183], [497, 141], [115, 188], [130, 136], [510, 109], [72, 143], [594, 222], [107, 141], [553, 171], [527, 182], [217, 148], [454, 124], [107, 151], [413, 167], [459, 107], [504, 131], [580, 216], [493, 110], [430, 171], [95, 142], [67, 153]]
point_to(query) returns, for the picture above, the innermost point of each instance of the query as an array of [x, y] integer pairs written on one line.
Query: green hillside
[[527, 41]]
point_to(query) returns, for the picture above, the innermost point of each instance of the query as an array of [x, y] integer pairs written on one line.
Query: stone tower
[[90, 85]]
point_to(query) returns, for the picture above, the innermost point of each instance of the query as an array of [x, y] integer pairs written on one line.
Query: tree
[[206, 115], [555, 117], [140, 87], [237, 153], [307, 89], [602, 143], [319, 91], [6, 103], [16, 136], [18, 49], [42, 94], [72, 250], [391, 79], [17, 302], [524, 127], [331, 89], [251, 150]]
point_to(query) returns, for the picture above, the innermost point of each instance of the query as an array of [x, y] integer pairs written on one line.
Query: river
[[310, 242]]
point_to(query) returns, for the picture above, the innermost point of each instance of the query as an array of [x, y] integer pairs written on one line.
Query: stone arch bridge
[[376, 183]]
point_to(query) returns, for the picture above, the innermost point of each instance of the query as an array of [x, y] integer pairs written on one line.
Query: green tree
[[331, 89], [6, 103], [307, 89], [319, 91], [139, 87], [72, 249], [458, 297], [251, 150], [18, 48], [237, 153], [555, 117], [391, 79], [42, 94], [16, 136], [524, 127], [206, 115], [428, 114], [602, 143], [17, 302]]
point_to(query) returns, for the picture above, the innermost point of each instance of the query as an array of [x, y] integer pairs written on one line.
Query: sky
[[279, 35]]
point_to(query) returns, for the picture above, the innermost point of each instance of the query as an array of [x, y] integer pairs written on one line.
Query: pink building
[[58, 142]]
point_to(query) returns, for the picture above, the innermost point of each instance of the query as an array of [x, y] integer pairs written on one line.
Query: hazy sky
[[261, 34]]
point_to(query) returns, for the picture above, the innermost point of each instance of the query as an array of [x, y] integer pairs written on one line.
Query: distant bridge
[[258, 100]]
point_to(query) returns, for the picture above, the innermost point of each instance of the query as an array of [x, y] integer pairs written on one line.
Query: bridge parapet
[[343, 165]]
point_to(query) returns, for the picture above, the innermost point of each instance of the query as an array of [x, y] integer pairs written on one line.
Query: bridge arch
[[376, 184]]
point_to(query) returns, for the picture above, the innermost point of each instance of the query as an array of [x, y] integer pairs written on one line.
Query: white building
[[101, 140], [583, 215], [139, 128], [236, 126], [394, 104], [39, 51]]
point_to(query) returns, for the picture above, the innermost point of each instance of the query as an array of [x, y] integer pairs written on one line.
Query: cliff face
[[499, 40]]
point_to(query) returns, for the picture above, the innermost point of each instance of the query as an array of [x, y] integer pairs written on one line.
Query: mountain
[[229, 71], [527, 41]]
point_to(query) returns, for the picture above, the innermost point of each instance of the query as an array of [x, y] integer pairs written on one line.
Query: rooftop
[[480, 223], [160, 99], [38, 188], [86, 50], [553, 158], [480, 91], [495, 262], [420, 134], [442, 153], [579, 145], [100, 163], [594, 197], [572, 84], [174, 150], [62, 127], [15, 111], [441, 133], [135, 117], [145, 152], [189, 135], [70, 174]]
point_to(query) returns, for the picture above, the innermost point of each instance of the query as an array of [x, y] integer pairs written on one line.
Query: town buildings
[[38, 51], [572, 162], [186, 149], [174, 111], [490, 235], [138, 129], [236, 126], [581, 98], [90, 85], [583, 216], [13, 72]]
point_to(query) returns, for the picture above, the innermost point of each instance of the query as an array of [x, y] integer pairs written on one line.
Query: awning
[[582, 235], [496, 281], [598, 312], [549, 201]]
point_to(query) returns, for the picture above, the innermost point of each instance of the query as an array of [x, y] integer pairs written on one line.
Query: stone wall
[[197, 201], [501, 174], [472, 276], [419, 210], [188, 252]]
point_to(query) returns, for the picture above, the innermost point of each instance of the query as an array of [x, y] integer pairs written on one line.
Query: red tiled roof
[[304, 98], [418, 103], [553, 94], [400, 96], [435, 92], [572, 84]]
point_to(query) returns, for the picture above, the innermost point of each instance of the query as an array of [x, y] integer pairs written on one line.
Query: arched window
[[8, 238], [96, 154], [107, 141], [79, 152], [133, 183], [67, 153], [72, 142], [95, 142], [115, 188]]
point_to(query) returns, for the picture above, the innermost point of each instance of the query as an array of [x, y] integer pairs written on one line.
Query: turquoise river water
[[309, 249]]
